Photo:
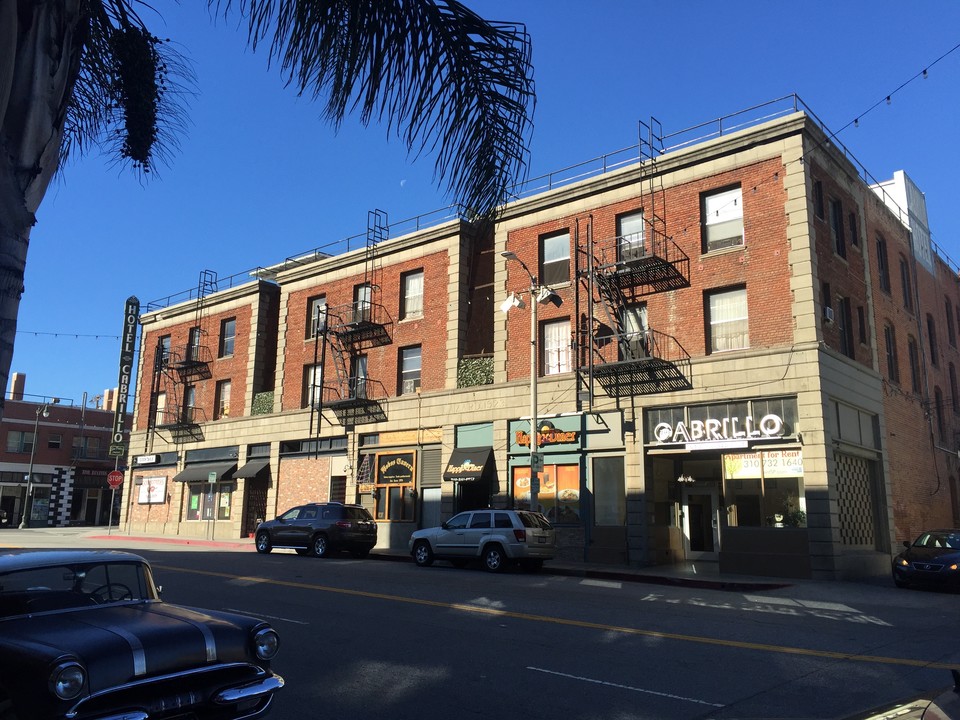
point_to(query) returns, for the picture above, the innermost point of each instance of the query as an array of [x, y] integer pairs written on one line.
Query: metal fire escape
[[618, 348], [176, 372], [352, 329]]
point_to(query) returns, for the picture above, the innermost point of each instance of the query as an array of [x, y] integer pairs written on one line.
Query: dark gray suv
[[319, 529]]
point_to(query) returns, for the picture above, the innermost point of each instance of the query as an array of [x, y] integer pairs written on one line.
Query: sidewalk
[[698, 575]]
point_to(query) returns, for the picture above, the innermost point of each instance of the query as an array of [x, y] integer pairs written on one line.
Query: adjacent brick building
[[746, 354]]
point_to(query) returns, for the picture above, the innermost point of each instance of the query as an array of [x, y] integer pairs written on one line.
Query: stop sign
[[114, 479]]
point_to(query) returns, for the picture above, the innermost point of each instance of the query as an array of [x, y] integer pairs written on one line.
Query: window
[[905, 284], [189, 403], [193, 344], [228, 334], [883, 267], [221, 400], [758, 498], [163, 352], [55, 441], [411, 302], [312, 386], [630, 233], [410, 366], [19, 441], [634, 319], [559, 496], [609, 492], [954, 397], [555, 263], [556, 347], [160, 418], [854, 233], [932, 334], [316, 316], [395, 497], [208, 500], [728, 322], [86, 447], [818, 198], [358, 376], [951, 329], [836, 228], [890, 345], [861, 325], [362, 303], [722, 219], [845, 325], [826, 299], [913, 350]]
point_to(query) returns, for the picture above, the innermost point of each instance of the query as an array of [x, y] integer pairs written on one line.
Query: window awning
[[201, 471], [252, 468], [469, 464]]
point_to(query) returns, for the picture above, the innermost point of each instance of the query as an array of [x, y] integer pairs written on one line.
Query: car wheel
[[321, 546], [494, 558], [531, 566], [422, 554], [263, 542], [459, 563], [361, 553]]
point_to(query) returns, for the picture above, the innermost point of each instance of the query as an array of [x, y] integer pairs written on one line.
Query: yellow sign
[[769, 464]]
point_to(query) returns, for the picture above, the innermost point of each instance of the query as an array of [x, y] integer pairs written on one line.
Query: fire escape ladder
[[628, 357], [355, 398]]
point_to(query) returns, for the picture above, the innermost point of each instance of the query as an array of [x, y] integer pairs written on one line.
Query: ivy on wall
[[262, 403], [475, 371]]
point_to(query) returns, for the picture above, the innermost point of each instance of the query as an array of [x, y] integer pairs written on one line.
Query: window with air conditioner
[[410, 369]]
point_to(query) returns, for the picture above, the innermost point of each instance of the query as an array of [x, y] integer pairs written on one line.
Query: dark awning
[[252, 468], [468, 464], [201, 471]]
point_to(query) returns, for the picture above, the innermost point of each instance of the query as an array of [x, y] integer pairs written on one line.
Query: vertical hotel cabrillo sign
[[128, 346]]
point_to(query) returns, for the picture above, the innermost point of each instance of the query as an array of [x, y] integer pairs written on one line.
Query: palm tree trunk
[[39, 60]]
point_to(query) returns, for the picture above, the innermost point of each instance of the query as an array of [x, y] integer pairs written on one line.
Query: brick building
[[63, 448], [746, 353]]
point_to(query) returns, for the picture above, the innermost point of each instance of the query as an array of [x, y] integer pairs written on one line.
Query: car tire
[[320, 546], [531, 566], [263, 543], [422, 554], [494, 558]]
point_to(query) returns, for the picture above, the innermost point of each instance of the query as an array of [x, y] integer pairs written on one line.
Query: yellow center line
[[477, 610]]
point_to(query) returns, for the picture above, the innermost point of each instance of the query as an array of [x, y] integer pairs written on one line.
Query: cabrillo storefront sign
[[722, 425]]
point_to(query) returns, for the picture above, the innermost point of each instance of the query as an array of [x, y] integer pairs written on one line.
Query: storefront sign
[[548, 435], [153, 490], [396, 468], [770, 464], [720, 430], [146, 459], [128, 346]]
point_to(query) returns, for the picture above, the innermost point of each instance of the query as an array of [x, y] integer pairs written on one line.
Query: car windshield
[[71, 586], [939, 540]]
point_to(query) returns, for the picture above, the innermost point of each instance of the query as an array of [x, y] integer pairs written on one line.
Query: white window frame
[[316, 316], [161, 411], [411, 303], [556, 347], [631, 232], [222, 390], [723, 219], [312, 386], [729, 320], [411, 369], [555, 258]]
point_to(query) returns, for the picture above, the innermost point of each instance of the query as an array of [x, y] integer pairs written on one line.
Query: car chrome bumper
[[250, 691]]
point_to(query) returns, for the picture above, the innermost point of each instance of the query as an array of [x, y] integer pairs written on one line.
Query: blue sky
[[259, 177]]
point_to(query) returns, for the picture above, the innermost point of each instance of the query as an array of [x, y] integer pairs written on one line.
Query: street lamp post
[[538, 294], [27, 504]]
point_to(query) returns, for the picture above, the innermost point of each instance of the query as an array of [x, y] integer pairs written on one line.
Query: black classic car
[[84, 635]]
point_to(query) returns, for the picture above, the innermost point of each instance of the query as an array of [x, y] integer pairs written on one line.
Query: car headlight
[[67, 680], [952, 566], [266, 643], [902, 562]]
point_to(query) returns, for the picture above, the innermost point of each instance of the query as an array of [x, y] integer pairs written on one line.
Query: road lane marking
[[620, 686], [586, 624], [602, 583]]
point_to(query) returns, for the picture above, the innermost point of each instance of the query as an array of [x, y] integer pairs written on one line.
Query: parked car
[[940, 704], [85, 635], [319, 529], [495, 537], [932, 559]]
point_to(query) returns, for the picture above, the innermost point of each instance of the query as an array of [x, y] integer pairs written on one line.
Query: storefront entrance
[[701, 526]]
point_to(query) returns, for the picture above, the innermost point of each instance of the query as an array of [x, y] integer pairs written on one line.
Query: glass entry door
[[701, 526]]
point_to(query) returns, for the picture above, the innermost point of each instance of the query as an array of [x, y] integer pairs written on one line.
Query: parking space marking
[[602, 583], [620, 686]]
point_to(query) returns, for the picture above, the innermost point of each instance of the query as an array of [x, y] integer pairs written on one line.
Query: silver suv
[[495, 537]]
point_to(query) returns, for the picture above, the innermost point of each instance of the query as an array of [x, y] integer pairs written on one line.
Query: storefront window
[[559, 496], [209, 499], [764, 489], [395, 495], [609, 496]]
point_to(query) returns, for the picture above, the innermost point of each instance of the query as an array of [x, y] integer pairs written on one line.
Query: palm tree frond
[[441, 77]]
